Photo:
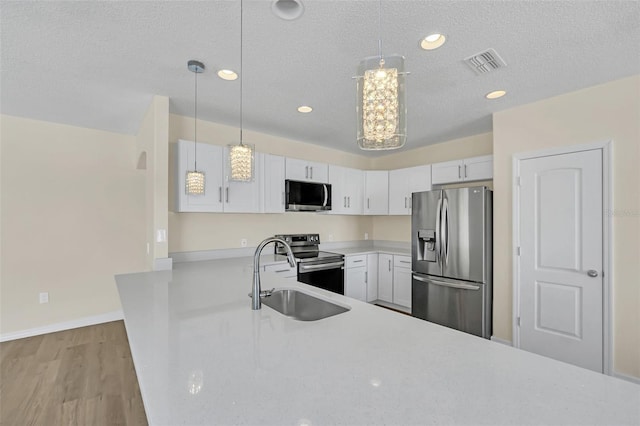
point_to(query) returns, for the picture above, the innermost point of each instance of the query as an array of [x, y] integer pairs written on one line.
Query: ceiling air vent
[[484, 62]]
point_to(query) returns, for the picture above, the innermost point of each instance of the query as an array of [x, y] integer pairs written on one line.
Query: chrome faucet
[[256, 291]]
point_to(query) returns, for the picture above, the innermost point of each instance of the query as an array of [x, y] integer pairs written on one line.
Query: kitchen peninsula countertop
[[203, 357]]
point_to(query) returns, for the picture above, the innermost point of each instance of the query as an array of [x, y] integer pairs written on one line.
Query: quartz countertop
[[203, 357], [367, 249]]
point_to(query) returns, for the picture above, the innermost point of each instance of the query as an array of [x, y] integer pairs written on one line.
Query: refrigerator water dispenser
[[427, 245]]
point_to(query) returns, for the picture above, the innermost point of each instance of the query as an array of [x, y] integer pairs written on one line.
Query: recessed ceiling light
[[432, 41], [227, 75], [304, 109], [495, 94]]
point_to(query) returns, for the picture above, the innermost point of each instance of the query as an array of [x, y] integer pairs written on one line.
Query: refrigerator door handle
[[446, 284], [444, 232], [438, 234]]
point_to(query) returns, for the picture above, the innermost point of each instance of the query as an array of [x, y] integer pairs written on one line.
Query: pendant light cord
[[195, 123], [380, 29], [241, 71]]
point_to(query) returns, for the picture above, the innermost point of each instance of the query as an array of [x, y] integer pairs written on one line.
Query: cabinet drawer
[[355, 261], [282, 269], [402, 261]]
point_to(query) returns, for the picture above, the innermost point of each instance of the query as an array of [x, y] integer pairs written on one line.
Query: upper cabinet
[[376, 192], [308, 171], [347, 187], [404, 182], [273, 183], [466, 170], [221, 195]]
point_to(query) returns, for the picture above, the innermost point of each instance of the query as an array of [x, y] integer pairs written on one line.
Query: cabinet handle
[[306, 172], [366, 277], [219, 194], [459, 172], [368, 204], [349, 201], [311, 172], [344, 201], [389, 265], [405, 202], [358, 261], [465, 171], [227, 194], [283, 198], [404, 261]]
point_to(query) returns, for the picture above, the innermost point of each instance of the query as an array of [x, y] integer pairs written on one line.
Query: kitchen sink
[[301, 306]]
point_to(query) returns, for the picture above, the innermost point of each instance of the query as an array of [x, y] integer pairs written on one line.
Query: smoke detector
[[484, 62]]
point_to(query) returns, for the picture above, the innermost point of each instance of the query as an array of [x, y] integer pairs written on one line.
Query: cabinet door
[[478, 168], [242, 197], [210, 160], [318, 172], [385, 277], [354, 180], [337, 179], [273, 183], [376, 192], [398, 192], [447, 172], [306, 170], [356, 283], [372, 277], [402, 286]]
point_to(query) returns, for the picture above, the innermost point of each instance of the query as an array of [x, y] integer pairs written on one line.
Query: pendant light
[[241, 157], [194, 182], [380, 104]]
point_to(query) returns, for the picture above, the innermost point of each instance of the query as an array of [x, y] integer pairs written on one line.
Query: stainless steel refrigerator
[[451, 250]]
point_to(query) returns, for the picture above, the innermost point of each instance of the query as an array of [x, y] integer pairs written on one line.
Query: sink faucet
[[256, 290]]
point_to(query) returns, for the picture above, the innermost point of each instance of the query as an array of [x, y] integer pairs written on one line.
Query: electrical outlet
[[330, 237], [161, 235], [44, 297], [243, 242], [366, 235]]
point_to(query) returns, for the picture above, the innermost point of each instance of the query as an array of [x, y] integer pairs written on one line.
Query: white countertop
[[203, 357], [371, 249]]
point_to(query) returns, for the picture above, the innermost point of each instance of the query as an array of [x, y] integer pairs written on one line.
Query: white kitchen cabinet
[[221, 195], [465, 170], [309, 171], [209, 161], [402, 280], [385, 277], [355, 282], [376, 192], [347, 188], [372, 277], [402, 183], [273, 183]]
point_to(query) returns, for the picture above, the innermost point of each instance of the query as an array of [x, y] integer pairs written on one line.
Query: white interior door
[[561, 251]]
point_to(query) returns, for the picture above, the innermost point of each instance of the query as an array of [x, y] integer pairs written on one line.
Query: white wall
[[72, 209], [607, 112]]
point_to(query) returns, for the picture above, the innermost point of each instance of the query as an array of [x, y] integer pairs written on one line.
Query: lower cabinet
[[385, 277], [394, 279], [355, 279], [402, 281], [372, 277]]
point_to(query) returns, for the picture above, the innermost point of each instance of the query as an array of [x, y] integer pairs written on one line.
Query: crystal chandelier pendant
[[381, 104], [195, 183], [241, 163]]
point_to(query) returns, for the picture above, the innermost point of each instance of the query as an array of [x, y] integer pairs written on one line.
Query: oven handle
[[321, 267]]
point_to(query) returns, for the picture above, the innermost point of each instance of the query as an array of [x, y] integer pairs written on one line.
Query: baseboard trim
[[61, 326], [626, 377], [501, 341]]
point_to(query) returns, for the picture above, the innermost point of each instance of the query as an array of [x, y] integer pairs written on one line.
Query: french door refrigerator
[[451, 250]]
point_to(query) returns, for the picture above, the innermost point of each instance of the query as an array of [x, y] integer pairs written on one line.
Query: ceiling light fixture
[[194, 182], [433, 41], [228, 75], [305, 109], [380, 104], [495, 94], [241, 156]]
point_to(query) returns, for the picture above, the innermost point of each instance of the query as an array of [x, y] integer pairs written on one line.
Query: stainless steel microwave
[[307, 196]]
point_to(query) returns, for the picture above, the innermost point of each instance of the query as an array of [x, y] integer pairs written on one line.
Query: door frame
[[607, 250]]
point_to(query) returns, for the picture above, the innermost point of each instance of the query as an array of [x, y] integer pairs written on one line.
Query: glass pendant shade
[[381, 103], [194, 183], [241, 163]]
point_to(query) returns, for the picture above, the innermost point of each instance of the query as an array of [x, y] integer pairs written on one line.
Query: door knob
[[592, 273]]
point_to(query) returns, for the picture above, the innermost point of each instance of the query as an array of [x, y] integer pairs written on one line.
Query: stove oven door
[[328, 275]]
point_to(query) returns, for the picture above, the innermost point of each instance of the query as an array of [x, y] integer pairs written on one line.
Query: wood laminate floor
[[83, 377]]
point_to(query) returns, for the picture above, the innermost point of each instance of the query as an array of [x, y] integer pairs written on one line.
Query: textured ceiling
[[98, 63]]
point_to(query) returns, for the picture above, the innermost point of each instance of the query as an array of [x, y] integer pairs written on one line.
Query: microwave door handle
[[438, 235], [326, 195]]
